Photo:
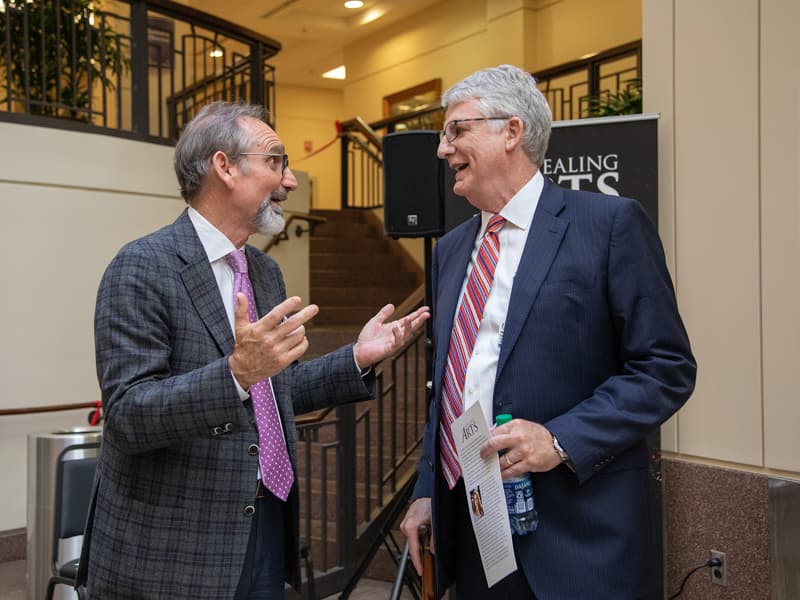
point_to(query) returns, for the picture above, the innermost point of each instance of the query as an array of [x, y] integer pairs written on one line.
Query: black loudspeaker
[[418, 199]]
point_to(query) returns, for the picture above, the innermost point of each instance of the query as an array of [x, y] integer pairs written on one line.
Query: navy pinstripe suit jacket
[[594, 349], [175, 474]]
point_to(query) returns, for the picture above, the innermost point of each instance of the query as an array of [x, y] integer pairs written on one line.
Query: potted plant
[[55, 53], [627, 101]]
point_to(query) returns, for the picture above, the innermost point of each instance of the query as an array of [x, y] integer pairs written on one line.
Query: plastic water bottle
[[519, 497]]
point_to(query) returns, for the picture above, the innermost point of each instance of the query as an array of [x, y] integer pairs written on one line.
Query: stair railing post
[[346, 487], [345, 168]]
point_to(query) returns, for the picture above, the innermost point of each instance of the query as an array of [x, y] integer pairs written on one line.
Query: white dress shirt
[[482, 367], [217, 247]]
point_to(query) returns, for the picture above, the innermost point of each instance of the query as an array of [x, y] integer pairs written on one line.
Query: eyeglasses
[[453, 128], [273, 163]]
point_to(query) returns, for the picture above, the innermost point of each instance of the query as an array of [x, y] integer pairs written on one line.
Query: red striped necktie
[[462, 342]]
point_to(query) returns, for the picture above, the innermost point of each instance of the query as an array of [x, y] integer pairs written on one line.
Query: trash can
[[43, 451]]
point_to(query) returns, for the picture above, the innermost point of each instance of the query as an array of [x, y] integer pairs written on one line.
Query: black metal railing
[[140, 72], [362, 154], [575, 89], [356, 465]]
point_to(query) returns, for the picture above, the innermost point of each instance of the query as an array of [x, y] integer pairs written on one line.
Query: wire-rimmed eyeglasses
[[274, 164], [452, 129]]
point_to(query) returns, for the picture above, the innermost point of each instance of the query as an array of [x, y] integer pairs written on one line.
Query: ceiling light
[[353, 4], [371, 15], [337, 73], [217, 53]]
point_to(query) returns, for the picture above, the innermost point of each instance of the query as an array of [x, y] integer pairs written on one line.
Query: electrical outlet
[[719, 575]]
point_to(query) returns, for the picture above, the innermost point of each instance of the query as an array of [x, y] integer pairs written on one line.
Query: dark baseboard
[[12, 544]]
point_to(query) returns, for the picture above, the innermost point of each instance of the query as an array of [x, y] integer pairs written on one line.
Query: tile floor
[[12, 585]]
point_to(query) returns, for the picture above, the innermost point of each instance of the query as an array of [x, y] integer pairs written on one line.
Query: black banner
[[610, 155]]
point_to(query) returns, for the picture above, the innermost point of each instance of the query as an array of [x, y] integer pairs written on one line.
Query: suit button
[[216, 430], [252, 449], [249, 510], [228, 427]]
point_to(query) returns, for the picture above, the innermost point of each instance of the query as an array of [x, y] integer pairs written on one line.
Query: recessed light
[[337, 73], [353, 4]]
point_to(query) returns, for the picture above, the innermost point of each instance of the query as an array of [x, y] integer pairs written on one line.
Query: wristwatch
[[562, 454]]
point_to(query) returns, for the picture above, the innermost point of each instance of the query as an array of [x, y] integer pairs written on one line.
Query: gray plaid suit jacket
[[175, 475]]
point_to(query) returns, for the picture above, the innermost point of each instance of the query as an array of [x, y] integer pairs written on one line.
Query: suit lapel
[[201, 285], [547, 232]]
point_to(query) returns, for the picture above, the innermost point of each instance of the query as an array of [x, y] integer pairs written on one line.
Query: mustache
[[279, 195]]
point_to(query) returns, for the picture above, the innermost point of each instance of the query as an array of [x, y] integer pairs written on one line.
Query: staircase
[[354, 271]]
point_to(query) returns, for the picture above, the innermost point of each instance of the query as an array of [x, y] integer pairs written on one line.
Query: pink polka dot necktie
[[462, 342], [276, 468]]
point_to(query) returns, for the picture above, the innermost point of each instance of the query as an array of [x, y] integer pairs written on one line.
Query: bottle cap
[[502, 419]]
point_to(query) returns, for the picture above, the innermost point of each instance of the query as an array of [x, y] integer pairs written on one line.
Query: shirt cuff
[[243, 394], [362, 372]]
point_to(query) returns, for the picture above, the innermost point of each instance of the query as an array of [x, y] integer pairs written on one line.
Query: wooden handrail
[[390, 121], [4, 412], [313, 417], [360, 125]]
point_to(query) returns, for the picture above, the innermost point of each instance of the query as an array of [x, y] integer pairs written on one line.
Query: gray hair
[[216, 127], [508, 91]]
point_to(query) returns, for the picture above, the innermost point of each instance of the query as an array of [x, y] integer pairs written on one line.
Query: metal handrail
[[312, 220]]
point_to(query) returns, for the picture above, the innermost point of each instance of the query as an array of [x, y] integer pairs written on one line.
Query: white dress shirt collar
[[215, 243], [519, 210]]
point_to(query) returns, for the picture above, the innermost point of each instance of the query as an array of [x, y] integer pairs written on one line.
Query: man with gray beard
[[197, 352]]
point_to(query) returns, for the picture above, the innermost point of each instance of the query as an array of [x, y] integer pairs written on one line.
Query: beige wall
[[568, 29], [730, 193], [455, 37], [309, 114], [68, 201]]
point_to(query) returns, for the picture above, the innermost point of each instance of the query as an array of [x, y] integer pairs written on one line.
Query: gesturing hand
[[379, 339], [265, 348]]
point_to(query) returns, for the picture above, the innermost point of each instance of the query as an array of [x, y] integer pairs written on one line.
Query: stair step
[[332, 245], [361, 262], [322, 340], [343, 215], [345, 315], [376, 296], [346, 229], [354, 279]]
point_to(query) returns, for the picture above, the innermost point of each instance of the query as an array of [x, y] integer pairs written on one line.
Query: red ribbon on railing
[[326, 146], [97, 414]]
